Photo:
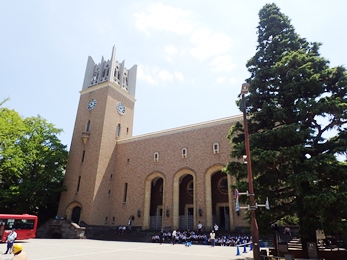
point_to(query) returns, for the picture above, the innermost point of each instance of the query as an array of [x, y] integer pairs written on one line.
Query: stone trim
[[227, 120], [111, 85]]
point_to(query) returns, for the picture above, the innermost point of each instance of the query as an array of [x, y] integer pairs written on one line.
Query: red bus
[[25, 226]]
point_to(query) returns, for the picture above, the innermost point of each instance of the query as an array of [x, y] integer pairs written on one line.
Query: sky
[[191, 54]]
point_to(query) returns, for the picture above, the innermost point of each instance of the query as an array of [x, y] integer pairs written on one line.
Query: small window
[[184, 153], [88, 126], [125, 192], [83, 155], [118, 130], [109, 191], [216, 148], [78, 184], [156, 156]]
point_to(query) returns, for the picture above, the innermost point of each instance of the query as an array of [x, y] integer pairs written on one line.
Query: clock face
[[121, 108], [91, 104]]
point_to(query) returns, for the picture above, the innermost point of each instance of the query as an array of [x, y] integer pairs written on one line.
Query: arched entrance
[[76, 213], [186, 202], [73, 212], [154, 201], [219, 201], [184, 208], [156, 204]]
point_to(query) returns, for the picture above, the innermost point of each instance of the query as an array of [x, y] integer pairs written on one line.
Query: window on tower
[[88, 126], [78, 184], [83, 155], [118, 130], [125, 192]]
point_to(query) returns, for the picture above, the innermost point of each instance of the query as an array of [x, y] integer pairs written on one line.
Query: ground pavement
[[86, 249]]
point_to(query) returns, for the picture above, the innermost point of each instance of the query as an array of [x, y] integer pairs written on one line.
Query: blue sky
[[191, 54]]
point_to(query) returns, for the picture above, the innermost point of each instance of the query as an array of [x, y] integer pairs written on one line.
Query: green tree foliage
[[32, 165], [297, 115]]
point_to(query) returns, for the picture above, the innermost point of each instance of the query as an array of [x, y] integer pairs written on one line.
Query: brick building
[[171, 178]]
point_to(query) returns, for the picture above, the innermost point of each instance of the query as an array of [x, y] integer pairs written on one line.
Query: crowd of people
[[198, 237], [123, 228]]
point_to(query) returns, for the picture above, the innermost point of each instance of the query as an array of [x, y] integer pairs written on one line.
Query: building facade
[[170, 179]]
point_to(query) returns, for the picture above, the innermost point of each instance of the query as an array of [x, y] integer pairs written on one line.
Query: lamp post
[[254, 225]]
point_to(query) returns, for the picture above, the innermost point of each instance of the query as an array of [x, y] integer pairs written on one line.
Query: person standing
[[173, 236], [18, 252], [129, 224], [215, 227], [161, 236], [10, 240], [212, 238], [199, 227]]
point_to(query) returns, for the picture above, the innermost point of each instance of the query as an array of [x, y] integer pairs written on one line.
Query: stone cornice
[[222, 121], [108, 84]]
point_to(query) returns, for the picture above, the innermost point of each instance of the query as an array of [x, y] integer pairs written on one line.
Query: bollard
[[237, 250], [244, 249]]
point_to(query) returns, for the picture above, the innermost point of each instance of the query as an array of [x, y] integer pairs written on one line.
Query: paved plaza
[[76, 249]]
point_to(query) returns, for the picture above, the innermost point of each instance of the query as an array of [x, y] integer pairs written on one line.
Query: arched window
[[156, 156], [190, 188], [223, 185], [216, 148], [184, 153]]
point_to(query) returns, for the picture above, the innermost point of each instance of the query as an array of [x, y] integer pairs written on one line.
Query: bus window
[[25, 226]]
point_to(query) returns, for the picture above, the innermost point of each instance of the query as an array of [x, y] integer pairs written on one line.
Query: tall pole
[[254, 225]]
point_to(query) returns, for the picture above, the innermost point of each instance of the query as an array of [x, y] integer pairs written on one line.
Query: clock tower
[[105, 114]]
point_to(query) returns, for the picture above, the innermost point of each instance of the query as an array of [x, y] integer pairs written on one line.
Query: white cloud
[[226, 81], [220, 80], [222, 63], [208, 44], [143, 74], [163, 18], [165, 75], [170, 51], [155, 76], [202, 44], [233, 81], [179, 75]]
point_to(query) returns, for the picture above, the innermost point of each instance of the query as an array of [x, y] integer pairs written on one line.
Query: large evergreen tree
[[297, 119], [32, 165]]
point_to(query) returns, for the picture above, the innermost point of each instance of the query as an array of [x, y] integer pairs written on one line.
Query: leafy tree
[[32, 165], [296, 102]]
